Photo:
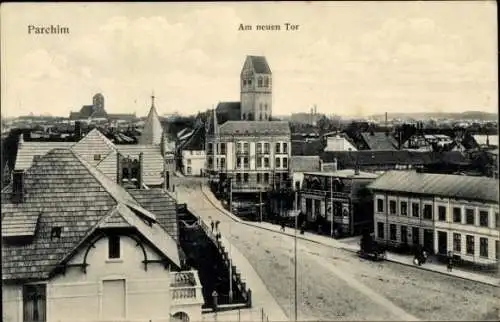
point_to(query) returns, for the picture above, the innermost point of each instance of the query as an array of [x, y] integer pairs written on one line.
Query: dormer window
[[55, 233], [259, 82], [97, 157], [114, 247]]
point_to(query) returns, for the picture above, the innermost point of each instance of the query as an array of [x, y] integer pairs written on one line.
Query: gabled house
[[101, 153], [379, 141], [339, 142], [76, 246], [192, 152]]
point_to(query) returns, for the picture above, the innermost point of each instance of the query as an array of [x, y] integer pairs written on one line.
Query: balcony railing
[[185, 286], [338, 195]]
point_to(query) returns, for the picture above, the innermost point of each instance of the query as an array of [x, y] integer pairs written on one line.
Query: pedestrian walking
[[212, 224], [217, 225], [450, 263], [282, 225]]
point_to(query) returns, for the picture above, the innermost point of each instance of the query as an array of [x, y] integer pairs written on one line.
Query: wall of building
[[194, 160], [12, 299], [436, 225], [339, 143], [78, 296]]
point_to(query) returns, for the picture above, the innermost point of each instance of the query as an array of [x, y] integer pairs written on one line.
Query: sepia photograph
[[249, 161]]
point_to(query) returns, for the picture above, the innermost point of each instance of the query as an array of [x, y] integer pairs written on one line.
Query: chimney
[[141, 169], [335, 165], [312, 116], [18, 186], [386, 120]]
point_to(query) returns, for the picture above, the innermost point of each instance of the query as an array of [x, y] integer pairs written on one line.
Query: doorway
[[429, 240], [442, 243], [113, 299]]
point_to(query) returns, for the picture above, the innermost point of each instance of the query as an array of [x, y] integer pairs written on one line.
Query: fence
[[246, 294], [240, 315]]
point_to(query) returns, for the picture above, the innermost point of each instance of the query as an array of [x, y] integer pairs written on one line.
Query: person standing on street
[[450, 262], [212, 224], [217, 225]]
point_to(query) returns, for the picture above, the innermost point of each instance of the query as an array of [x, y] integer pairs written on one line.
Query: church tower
[[256, 89]]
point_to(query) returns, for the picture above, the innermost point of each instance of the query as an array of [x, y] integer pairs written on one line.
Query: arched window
[[259, 81], [266, 81], [180, 317]]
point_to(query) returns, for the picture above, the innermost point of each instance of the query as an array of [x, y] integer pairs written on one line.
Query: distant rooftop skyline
[[347, 58]]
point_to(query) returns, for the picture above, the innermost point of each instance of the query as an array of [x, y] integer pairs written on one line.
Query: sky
[[347, 58]]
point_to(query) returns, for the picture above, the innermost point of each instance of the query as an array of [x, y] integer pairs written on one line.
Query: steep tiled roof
[[152, 129], [67, 192], [228, 111], [260, 64], [305, 163], [196, 142], [95, 143], [160, 204], [379, 141], [86, 111], [255, 128], [27, 150], [444, 185]]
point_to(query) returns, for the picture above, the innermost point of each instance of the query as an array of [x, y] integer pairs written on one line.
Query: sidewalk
[[330, 242]]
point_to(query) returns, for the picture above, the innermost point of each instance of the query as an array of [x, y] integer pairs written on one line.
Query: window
[[483, 218], [246, 147], [223, 148], [113, 247], [217, 147], [415, 232], [259, 162], [497, 220], [469, 216], [258, 177], [285, 163], [266, 162], [266, 81], [265, 107], [470, 245], [189, 170], [188, 161], [259, 148], [55, 232], [392, 207], [483, 247], [380, 205], [277, 147], [266, 177], [404, 234], [285, 148], [210, 148], [457, 242], [238, 177], [442, 213], [428, 212], [404, 208], [260, 116], [249, 82], [415, 209], [210, 162], [380, 230], [392, 231], [238, 163], [267, 147], [34, 303], [222, 163], [97, 157], [244, 82], [245, 177], [457, 215], [278, 162], [246, 163], [497, 249], [259, 81]]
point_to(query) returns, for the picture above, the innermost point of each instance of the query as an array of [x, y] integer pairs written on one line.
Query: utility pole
[[260, 204], [295, 253], [331, 206]]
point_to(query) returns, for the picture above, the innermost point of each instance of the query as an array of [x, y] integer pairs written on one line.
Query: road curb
[[239, 220]]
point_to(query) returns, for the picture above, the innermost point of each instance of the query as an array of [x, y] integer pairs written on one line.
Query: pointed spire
[[153, 99], [153, 131]]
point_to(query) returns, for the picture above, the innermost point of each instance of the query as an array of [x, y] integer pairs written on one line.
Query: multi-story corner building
[[243, 143], [443, 213], [346, 190]]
